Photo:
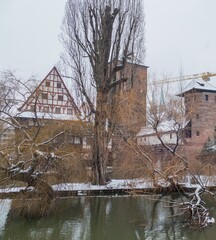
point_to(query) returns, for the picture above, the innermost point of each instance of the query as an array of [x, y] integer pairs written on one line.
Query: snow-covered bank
[[121, 184], [114, 184]]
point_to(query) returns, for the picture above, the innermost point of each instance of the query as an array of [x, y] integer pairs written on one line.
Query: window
[[76, 140], [57, 110], [70, 111], [197, 133], [47, 83], [46, 109], [188, 133], [197, 116], [170, 135], [58, 85], [215, 98], [44, 95], [84, 142], [206, 97], [60, 97]]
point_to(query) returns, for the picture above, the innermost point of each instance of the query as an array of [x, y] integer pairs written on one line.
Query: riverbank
[[114, 187]]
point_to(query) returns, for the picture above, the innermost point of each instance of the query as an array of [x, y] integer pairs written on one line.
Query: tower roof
[[198, 85]]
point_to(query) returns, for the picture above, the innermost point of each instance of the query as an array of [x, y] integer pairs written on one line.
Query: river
[[105, 218]]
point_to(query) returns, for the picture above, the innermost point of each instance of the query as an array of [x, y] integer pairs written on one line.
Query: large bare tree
[[99, 36]]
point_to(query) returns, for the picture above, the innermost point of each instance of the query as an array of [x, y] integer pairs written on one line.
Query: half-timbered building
[[51, 110], [51, 99]]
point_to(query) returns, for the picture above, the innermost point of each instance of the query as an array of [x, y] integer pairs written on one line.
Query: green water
[[105, 218]]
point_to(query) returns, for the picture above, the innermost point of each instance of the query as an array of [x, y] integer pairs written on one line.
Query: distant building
[[200, 109], [167, 131], [131, 113], [200, 119], [170, 132]]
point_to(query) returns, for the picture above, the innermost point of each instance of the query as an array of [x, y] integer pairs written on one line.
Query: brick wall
[[201, 109], [131, 113]]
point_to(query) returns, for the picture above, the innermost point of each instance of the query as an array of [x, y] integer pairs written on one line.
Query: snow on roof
[[199, 85], [164, 127], [47, 116]]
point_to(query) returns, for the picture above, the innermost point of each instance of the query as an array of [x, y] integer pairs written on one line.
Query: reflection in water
[[104, 218], [4, 210]]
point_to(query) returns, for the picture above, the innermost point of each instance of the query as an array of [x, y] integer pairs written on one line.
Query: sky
[[180, 36]]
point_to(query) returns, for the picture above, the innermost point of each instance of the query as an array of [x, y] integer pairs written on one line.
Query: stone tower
[[200, 108], [131, 114]]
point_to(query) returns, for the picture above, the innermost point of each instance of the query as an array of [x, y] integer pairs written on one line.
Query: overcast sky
[[180, 35]]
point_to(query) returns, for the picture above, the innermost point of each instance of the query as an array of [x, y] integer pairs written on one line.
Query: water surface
[[105, 218]]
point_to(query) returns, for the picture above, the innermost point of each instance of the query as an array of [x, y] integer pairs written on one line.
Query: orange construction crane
[[205, 76]]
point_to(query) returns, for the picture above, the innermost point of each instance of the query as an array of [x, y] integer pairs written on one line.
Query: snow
[[5, 205], [114, 184], [118, 184], [163, 127], [211, 149], [199, 85], [208, 181], [13, 189], [43, 115]]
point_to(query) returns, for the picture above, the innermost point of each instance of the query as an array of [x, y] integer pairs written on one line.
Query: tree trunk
[[100, 142]]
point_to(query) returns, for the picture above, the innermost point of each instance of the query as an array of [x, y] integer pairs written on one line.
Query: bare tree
[[40, 149], [169, 117], [99, 37]]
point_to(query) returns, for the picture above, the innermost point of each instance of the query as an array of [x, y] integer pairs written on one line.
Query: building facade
[[131, 113], [51, 111], [51, 97]]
